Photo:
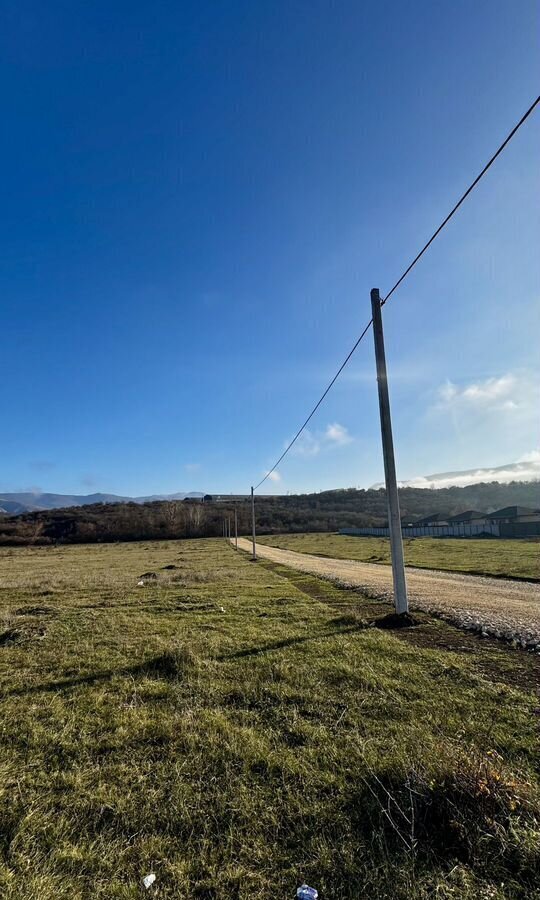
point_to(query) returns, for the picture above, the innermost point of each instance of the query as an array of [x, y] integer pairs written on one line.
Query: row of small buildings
[[509, 515], [510, 522]]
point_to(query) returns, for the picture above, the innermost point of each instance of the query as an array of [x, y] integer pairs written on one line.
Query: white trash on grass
[[148, 880]]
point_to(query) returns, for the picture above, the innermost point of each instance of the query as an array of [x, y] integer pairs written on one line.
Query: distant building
[[510, 522], [469, 517], [511, 515], [433, 519], [239, 498], [405, 521]]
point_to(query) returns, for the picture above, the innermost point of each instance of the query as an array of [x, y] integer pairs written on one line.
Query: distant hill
[[526, 471], [13, 507], [326, 511], [33, 501]]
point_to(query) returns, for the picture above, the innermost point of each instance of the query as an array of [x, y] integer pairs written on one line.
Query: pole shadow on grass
[[290, 642], [350, 624], [173, 665], [166, 665]]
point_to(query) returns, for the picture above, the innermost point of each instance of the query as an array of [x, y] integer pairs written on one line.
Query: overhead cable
[[399, 281]]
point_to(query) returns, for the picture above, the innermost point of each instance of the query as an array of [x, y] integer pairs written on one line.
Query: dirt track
[[509, 609]]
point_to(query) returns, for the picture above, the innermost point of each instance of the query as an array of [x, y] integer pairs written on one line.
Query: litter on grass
[[148, 880], [305, 892]]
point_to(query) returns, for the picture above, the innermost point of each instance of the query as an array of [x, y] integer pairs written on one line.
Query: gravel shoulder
[[503, 608]]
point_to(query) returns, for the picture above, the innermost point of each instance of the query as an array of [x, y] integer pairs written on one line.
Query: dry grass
[[239, 731]]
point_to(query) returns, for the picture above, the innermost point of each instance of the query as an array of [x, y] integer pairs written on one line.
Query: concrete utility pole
[[235, 528], [254, 552], [394, 518]]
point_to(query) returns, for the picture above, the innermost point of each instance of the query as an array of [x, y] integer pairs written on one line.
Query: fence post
[[394, 519]]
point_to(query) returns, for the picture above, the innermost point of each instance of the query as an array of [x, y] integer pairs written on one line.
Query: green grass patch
[[238, 729], [489, 556]]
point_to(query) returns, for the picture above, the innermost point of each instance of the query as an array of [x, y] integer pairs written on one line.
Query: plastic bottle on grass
[[305, 892]]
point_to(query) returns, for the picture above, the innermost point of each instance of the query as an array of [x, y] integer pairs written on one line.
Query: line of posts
[[227, 528], [394, 519]]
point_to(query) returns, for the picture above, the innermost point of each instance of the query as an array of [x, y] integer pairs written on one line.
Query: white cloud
[[507, 393], [310, 443], [306, 445], [527, 468], [192, 467], [486, 417], [337, 434], [273, 476], [472, 427]]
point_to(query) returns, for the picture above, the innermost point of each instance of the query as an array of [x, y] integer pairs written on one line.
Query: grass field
[[236, 728], [515, 559]]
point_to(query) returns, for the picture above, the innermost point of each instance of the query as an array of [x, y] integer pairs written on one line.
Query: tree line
[[325, 511]]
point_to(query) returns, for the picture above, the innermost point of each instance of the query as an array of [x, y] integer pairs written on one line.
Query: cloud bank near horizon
[[525, 469]]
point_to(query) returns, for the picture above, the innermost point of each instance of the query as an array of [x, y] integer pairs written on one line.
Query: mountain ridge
[[526, 470], [15, 503], [327, 511]]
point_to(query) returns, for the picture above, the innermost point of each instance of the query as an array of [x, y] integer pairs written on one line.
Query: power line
[[315, 408], [465, 195], [399, 281]]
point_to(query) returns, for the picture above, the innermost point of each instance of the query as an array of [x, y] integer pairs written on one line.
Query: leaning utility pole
[[235, 528], [254, 552], [394, 519]]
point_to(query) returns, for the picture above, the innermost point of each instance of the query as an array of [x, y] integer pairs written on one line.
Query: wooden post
[[394, 518], [254, 551], [236, 528]]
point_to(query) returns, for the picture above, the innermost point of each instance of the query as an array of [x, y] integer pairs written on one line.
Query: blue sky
[[197, 199]]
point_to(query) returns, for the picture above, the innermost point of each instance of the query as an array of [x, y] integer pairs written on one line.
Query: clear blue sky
[[196, 200]]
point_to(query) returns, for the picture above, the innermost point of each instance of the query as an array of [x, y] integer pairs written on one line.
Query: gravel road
[[503, 608]]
